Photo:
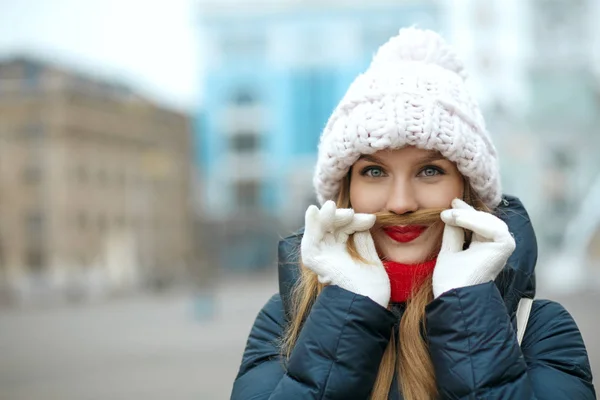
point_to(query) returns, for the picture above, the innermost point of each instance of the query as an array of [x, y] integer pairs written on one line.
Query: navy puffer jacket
[[471, 333]]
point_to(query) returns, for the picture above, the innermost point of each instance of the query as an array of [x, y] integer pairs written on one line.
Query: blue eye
[[430, 171], [373, 172]]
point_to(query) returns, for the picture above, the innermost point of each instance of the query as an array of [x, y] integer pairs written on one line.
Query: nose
[[402, 199]]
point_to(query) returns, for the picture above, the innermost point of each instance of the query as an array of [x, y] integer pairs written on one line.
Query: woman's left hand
[[491, 246]]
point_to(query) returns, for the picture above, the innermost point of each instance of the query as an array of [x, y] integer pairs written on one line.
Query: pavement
[[156, 347]]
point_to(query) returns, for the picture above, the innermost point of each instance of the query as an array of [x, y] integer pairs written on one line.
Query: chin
[[412, 253], [403, 258]]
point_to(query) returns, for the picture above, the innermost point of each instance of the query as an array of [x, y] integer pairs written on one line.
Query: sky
[[150, 45]]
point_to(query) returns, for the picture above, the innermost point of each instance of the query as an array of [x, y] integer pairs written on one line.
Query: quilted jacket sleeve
[[476, 355], [337, 354]]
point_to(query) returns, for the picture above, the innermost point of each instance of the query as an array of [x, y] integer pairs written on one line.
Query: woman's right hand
[[324, 251]]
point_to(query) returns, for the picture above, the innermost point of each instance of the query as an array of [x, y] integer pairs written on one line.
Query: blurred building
[[274, 72], [492, 39], [94, 181], [535, 67], [565, 105]]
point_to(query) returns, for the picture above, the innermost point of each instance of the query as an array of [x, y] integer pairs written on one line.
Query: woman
[[407, 287]]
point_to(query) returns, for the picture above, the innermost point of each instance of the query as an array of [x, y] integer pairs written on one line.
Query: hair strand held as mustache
[[419, 217]]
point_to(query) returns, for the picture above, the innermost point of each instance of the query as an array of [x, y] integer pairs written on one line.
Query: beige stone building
[[92, 178]]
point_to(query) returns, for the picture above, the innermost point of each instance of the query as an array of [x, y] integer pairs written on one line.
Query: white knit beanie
[[412, 94]]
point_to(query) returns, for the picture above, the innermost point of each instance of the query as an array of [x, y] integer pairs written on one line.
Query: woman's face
[[403, 181]]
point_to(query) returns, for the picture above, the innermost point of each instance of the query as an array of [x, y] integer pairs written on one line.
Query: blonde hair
[[411, 356]]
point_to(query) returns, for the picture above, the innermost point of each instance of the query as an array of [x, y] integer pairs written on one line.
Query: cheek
[[366, 198], [441, 195]]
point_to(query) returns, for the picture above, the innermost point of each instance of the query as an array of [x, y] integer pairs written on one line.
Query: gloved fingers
[[331, 239], [327, 216], [343, 216], [312, 259], [492, 249], [497, 223], [360, 223], [341, 237], [461, 204], [365, 246], [481, 223], [313, 232], [453, 239]]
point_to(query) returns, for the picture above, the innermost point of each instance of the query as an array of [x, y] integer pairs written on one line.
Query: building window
[[34, 226], [245, 142], [31, 72], [243, 98], [32, 131], [247, 194], [561, 158], [32, 173], [34, 259]]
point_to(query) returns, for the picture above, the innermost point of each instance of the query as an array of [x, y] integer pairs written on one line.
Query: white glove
[[491, 246], [324, 251]]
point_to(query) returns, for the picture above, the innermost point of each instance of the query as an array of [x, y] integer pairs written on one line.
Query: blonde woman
[[406, 282]]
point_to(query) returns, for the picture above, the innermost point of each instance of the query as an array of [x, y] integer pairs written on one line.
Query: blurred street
[[153, 347], [134, 348]]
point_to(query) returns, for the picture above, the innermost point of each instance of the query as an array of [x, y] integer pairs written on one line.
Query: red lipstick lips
[[404, 234]]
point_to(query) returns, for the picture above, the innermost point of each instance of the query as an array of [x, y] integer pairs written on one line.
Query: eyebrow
[[370, 158], [433, 156], [430, 157]]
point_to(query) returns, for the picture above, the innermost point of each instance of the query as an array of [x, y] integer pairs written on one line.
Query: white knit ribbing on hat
[[412, 94]]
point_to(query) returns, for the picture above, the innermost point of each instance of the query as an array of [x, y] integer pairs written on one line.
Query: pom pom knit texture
[[413, 94]]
